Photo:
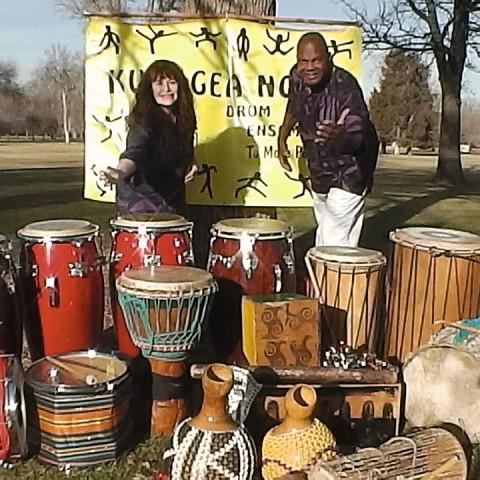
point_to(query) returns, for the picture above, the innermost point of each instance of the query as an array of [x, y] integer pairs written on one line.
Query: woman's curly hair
[[147, 113]]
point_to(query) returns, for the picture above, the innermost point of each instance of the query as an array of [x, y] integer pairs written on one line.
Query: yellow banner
[[238, 71]]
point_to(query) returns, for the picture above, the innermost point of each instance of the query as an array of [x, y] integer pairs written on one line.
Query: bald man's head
[[313, 60]]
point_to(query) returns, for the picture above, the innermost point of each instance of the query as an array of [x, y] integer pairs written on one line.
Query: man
[[340, 142]]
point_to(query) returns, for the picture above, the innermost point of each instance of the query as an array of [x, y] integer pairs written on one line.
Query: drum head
[[440, 238], [57, 229], [164, 279], [253, 226], [79, 371], [150, 221], [348, 255]]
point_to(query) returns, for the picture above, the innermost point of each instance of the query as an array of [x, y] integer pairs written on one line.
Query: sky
[[29, 27]]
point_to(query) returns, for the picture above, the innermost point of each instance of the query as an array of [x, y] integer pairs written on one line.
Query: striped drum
[[79, 407]]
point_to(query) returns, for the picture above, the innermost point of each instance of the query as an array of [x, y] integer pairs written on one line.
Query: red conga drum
[[248, 256], [142, 240], [63, 286], [10, 317]]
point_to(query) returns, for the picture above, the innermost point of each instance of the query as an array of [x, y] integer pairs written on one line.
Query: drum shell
[[10, 311], [352, 299], [427, 285], [13, 445], [169, 405], [130, 249], [76, 321], [79, 425], [269, 251]]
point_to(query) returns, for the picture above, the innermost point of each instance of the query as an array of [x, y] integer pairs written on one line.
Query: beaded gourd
[[299, 442], [211, 446]]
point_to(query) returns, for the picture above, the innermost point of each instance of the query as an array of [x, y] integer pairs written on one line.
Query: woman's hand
[[111, 176], [190, 175]]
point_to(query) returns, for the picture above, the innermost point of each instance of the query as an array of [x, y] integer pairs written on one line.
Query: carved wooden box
[[281, 330]]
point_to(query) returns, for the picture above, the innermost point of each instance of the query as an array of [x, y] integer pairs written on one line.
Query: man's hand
[[190, 175], [328, 130], [283, 155]]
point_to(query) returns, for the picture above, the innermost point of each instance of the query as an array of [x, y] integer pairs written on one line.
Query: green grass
[[45, 180]]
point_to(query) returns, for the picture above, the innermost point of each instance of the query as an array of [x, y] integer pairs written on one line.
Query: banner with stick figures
[[238, 71]]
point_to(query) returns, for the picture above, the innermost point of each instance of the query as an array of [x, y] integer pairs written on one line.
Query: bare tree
[[62, 76], [444, 29], [241, 7]]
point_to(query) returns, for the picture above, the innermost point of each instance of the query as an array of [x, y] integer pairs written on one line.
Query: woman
[[158, 159]]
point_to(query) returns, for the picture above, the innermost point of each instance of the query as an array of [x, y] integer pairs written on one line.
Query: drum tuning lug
[[115, 256], [51, 285], [78, 269], [289, 262], [177, 243], [277, 271], [152, 260], [9, 282]]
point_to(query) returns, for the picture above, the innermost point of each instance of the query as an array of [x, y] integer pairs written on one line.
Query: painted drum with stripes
[[79, 408], [13, 429]]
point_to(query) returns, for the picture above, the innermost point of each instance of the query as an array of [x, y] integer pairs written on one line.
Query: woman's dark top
[[162, 160]]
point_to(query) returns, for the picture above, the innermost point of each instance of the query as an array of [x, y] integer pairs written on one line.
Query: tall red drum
[[10, 315], [63, 286], [143, 240], [248, 256]]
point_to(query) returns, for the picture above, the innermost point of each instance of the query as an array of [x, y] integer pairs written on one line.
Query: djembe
[[165, 308]]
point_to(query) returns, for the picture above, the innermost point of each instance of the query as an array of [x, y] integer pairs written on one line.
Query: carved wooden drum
[[143, 240], [435, 274], [350, 285]]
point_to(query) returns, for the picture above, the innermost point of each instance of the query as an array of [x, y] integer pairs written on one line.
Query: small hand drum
[[165, 307]]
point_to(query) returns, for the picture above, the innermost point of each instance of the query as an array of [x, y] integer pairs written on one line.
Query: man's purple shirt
[[349, 161]]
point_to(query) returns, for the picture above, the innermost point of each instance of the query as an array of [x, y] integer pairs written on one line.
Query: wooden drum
[[142, 240], [79, 408], [165, 309], [435, 275], [350, 285]]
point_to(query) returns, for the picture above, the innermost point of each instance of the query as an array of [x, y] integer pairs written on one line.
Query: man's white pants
[[339, 217]]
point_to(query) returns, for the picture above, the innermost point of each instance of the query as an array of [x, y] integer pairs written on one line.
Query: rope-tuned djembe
[[164, 309]]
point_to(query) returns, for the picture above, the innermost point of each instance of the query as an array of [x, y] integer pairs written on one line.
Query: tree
[[445, 29], [402, 107], [11, 99], [61, 75]]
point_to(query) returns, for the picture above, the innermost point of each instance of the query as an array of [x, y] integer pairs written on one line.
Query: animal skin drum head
[[252, 226], [354, 255], [150, 221], [164, 279], [440, 238], [62, 228]]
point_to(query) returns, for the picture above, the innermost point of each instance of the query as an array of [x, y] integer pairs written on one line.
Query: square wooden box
[[280, 330]]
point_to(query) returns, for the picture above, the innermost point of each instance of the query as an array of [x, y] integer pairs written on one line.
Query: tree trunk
[[204, 216], [241, 7], [66, 130], [449, 167]]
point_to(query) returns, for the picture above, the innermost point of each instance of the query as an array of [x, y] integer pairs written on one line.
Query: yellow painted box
[[281, 330]]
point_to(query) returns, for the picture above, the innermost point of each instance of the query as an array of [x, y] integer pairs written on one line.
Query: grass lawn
[[45, 180]]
